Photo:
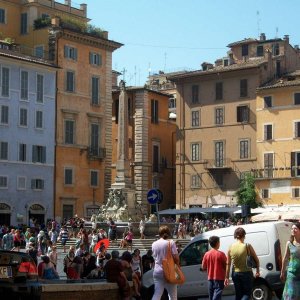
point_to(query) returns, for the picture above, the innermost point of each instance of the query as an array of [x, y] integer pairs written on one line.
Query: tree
[[246, 194]]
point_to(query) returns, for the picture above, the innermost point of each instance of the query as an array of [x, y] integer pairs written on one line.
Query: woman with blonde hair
[[290, 271], [159, 249], [242, 275]]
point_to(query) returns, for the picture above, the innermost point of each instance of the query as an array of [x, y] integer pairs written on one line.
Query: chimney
[[206, 66], [68, 2], [83, 7], [262, 37], [286, 38], [296, 47]]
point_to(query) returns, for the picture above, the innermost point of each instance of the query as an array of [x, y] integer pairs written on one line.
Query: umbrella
[[267, 216], [291, 215], [104, 242]]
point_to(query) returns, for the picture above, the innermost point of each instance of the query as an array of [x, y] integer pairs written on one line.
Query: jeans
[[215, 289], [243, 282], [159, 285]]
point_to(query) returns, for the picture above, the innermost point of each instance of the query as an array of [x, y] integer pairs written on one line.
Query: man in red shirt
[[214, 261]]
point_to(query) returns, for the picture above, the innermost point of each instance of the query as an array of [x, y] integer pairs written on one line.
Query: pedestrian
[[17, 240], [214, 261], [64, 236], [129, 239], [53, 255], [112, 231], [8, 240], [68, 259], [242, 275], [46, 269], [159, 249], [147, 261], [290, 271]]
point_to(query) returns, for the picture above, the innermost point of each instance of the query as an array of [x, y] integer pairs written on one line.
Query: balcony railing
[[216, 164], [273, 173], [96, 153]]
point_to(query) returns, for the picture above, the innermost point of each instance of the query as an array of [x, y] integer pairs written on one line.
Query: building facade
[[151, 137], [216, 119], [278, 145], [27, 137], [83, 54]]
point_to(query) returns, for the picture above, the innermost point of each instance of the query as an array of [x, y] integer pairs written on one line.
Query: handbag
[[172, 272], [250, 261]]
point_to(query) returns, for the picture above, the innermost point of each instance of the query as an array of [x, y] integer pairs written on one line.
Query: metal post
[[158, 220]]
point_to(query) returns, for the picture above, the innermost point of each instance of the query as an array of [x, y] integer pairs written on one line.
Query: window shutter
[[66, 50], [238, 114], [34, 153], [33, 184], [100, 60], [152, 111], [43, 154], [293, 162], [91, 58], [75, 53]]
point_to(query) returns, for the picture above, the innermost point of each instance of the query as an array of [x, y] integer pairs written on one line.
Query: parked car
[[18, 274], [268, 239]]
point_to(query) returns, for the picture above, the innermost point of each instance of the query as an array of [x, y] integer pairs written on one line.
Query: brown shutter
[[293, 161]]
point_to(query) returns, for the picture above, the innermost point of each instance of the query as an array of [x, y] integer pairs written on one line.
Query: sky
[[176, 35]]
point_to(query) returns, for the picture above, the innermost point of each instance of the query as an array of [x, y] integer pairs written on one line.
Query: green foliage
[[9, 40], [41, 23], [246, 193]]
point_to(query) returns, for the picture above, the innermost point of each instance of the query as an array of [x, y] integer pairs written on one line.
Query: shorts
[[129, 242], [17, 243], [63, 242]]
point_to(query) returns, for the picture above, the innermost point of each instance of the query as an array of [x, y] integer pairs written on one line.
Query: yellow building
[[151, 135], [216, 119], [83, 54], [278, 141]]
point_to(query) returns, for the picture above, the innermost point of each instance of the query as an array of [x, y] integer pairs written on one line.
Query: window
[[155, 158], [23, 23], [37, 184], [268, 101], [70, 52], [219, 154], [4, 115], [69, 131], [154, 111], [70, 84], [297, 129], [172, 102], [95, 90], [39, 154], [219, 90], [21, 183], [243, 88], [265, 193], [3, 182], [296, 192], [40, 88], [24, 85], [297, 98], [195, 181], [39, 119], [295, 164], [195, 118], [268, 165], [195, 151], [2, 16], [244, 149], [260, 51], [3, 150], [5, 82], [275, 49], [219, 115], [23, 117], [95, 59], [39, 51], [193, 254], [268, 132], [68, 176], [95, 137], [94, 178], [195, 94], [22, 152], [242, 114], [245, 51]]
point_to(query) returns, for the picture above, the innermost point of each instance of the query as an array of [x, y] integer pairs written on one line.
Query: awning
[[197, 210]]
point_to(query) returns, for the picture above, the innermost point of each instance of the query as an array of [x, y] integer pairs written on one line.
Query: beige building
[[216, 119], [278, 141]]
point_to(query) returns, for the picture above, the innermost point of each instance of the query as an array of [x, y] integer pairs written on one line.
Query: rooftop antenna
[[123, 73], [276, 35], [165, 62], [149, 69], [135, 75], [258, 23]]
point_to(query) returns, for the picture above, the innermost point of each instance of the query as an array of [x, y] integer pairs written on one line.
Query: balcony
[[273, 173], [96, 153], [218, 164]]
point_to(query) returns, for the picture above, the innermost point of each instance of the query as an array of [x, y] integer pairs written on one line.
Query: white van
[[268, 239]]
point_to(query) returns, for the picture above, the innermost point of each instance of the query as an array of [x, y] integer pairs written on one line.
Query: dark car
[[18, 274]]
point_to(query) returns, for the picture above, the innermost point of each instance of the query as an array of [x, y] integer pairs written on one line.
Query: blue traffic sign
[[153, 196]]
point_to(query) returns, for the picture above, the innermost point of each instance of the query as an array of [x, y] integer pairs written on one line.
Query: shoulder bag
[[172, 271], [250, 261]]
